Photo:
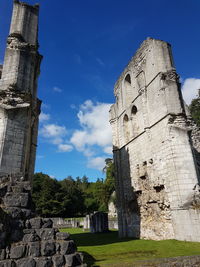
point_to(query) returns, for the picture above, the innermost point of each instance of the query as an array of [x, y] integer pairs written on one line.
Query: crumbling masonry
[[156, 150], [24, 239]]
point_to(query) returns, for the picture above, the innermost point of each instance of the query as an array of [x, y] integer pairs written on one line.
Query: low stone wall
[[186, 261], [67, 222]]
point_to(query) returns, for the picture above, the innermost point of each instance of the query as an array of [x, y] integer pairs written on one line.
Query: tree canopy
[[72, 197]]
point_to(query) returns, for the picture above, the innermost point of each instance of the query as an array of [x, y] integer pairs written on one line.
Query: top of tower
[[154, 52], [24, 22], [36, 6]]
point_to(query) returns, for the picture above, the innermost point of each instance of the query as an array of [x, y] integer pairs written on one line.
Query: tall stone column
[[19, 105]]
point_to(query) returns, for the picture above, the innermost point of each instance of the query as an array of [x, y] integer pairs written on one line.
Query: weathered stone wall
[[26, 240], [156, 171], [19, 106]]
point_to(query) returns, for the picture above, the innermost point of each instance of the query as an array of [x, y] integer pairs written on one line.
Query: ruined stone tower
[[19, 105], [25, 240], [155, 150]]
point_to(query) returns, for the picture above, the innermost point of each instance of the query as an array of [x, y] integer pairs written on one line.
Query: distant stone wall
[[113, 223], [67, 222]]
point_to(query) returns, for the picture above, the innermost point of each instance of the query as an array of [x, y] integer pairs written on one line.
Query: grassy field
[[107, 249]]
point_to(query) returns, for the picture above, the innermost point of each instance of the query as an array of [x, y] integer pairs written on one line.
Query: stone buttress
[[19, 105], [156, 150]]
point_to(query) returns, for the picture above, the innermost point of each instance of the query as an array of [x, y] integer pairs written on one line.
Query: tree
[[47, 195], [195, 109], [73, 199]]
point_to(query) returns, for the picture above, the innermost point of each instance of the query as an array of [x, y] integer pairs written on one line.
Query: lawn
[[106, 249]]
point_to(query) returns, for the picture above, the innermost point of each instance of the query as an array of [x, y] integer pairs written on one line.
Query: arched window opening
[[134, 121], [126, 128], [134, 110], [128, 78], [125, 118], [127, 90]]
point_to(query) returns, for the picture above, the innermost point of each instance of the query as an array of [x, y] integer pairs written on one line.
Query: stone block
[[17, 189], [17, 251], [73, 260], [67, 247], [48, 248], [58, 260], [2, 254], [17, 200], [34, 249], [46, 234], [7, 263], [44, 262], [47, 223], [30, 238], [26, 262], [62, 236], [35, 223], [29, 231]]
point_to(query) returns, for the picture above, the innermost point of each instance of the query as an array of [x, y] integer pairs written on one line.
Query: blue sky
[[86, 44]]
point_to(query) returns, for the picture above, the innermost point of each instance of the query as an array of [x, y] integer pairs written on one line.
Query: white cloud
[[55, 134], [96, 130], [44, 117], [65, 148], [57, 89], [96, 163], [94, 138], [53, 130], [190, 89]]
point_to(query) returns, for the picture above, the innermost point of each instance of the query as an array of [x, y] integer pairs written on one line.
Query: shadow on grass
[[90, 260], [90, 239]]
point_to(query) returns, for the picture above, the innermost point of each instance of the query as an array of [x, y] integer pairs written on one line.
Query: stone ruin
[[97, 222], [156, 148], [25, 240]]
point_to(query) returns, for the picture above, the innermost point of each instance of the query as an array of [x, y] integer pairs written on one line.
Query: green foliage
[[195, 110], [72, 198], [47, 195]]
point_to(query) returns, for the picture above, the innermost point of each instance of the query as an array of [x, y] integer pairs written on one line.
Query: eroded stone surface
[[156, 149]]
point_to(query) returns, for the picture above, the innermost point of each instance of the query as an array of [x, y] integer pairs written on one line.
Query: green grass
[[106, 249]]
